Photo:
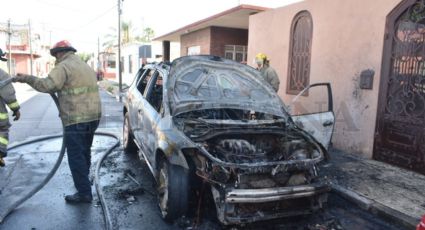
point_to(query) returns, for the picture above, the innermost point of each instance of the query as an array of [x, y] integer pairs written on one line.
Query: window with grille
[[111, 62], [235, 52], [300, 53]]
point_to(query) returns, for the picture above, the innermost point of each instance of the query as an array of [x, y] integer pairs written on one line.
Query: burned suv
[[204, 120]]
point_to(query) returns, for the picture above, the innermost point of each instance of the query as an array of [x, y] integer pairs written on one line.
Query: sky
[[82, 22]]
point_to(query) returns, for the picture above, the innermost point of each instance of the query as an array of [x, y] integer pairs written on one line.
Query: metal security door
[[400, 129]]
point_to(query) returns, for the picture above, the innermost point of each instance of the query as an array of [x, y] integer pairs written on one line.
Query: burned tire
[[128, 138], [173, 189]]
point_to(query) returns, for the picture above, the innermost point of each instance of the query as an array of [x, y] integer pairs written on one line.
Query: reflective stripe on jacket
[[76, 85], [7, 97]]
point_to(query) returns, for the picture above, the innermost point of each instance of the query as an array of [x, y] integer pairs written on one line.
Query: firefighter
[[8, 97], [268, 73], [80, 111]]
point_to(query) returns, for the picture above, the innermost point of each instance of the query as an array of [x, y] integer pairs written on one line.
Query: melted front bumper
[[236, 206]]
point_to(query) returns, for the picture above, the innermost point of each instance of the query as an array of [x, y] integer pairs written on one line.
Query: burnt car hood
[[208, 82]]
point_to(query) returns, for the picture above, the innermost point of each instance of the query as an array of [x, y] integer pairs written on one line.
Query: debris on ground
[[332, 224], [131, 199]]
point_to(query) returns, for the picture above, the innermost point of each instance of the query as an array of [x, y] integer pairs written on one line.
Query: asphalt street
[[46, 209]]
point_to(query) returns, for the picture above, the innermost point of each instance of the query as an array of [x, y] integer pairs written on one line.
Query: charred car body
[[203, 119]]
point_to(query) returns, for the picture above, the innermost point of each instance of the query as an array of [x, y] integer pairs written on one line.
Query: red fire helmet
[[63, 45]]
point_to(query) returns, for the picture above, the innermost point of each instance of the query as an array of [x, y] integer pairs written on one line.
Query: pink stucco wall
[[22, 63], [348, 37]]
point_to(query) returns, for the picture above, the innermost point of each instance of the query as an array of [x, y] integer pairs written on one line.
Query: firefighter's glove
[[16, 115], [2, 163], [20, 77]]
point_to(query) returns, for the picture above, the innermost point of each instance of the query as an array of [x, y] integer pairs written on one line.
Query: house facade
[[219, 41], [130, 61], [224, 34], [372, 53], [134, 55], [26, 56]]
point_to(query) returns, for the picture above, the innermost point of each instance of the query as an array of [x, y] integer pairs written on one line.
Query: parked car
[[204, 119]]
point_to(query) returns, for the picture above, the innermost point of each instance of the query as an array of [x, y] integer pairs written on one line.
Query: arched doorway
[[400, 129]]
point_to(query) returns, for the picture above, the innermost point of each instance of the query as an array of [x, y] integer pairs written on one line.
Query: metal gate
[[400, 129]]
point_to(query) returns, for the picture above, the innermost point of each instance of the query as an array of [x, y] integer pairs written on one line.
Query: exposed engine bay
[[229, 137], [251, 148], [243, 156]]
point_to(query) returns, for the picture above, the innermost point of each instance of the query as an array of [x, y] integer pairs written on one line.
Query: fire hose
[[107, 219]]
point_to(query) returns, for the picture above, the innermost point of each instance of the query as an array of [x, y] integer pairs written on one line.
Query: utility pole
[[30, 44], [98, 59], [9, 32], [119, 51]]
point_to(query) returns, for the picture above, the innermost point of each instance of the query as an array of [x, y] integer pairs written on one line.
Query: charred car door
[[137, 111], [312, 110], [151, 118], [134, 97]]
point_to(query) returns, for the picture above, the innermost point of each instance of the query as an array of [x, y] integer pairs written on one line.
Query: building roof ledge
[[236, 17]]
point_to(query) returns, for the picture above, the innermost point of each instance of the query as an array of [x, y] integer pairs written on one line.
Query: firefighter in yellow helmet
[[268, 73], [7, 97]]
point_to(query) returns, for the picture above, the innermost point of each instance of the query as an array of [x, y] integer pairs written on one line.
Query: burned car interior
[[220, 124], [154, 94]]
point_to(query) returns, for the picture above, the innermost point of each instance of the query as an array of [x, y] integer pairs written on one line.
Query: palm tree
[[127, 35], [127, 32], [148, 34], [85, 56], [110, 39]]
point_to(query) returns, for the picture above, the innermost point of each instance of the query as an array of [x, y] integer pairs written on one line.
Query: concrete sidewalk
[[388, 191]]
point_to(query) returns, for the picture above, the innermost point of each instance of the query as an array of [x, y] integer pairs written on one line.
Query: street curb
[[377, 208], [111, 94]]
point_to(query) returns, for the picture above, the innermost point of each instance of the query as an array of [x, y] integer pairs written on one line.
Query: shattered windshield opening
[[198, 83], [208, 84]]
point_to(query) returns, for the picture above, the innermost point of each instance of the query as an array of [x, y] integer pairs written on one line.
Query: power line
[[53, 27], [60, 6], [97, 17]]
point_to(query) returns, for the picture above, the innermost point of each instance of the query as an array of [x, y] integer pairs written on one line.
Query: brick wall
[[213, 39], [221, 36], [200, 38]]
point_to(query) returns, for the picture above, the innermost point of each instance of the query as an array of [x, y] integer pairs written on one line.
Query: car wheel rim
[[163, 190]]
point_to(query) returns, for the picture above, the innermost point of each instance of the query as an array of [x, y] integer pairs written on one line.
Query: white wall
[[126, 51]]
